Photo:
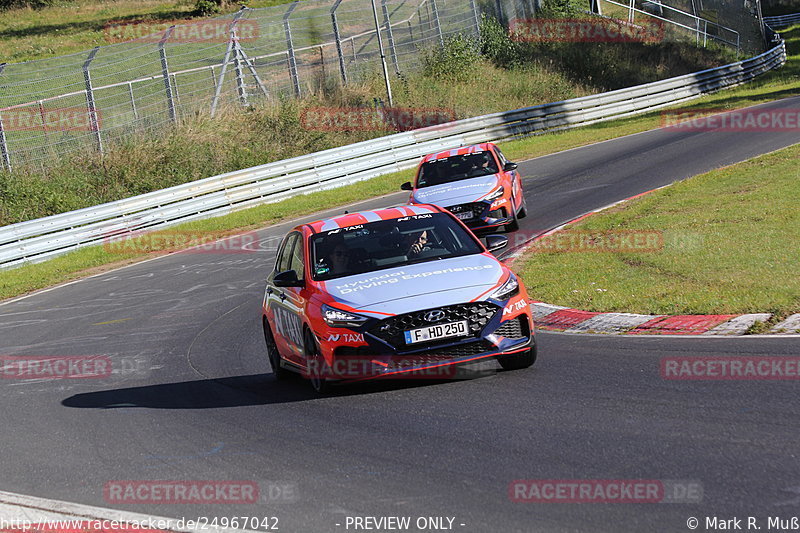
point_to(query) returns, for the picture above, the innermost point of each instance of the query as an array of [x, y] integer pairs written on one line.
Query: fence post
[[225, 61], [499, 7], [437, 22], [389, 33], [287, 29], [90, 104], [383, 55], [338, 38], [162, 52], [3, 146], [133, 102], [241, 90], [251, 67], [476, 15]]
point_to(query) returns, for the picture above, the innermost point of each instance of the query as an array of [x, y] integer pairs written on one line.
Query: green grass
[[729, 246]]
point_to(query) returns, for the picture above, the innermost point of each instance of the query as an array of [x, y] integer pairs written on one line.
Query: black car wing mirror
[[287, 278]]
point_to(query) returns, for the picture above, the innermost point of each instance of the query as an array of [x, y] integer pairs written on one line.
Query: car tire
[[318, 382], [514, 224], [523, 211], [520, 361], [273, 354]]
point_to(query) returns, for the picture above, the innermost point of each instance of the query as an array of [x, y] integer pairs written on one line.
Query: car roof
[[463, 150], [364, 217]]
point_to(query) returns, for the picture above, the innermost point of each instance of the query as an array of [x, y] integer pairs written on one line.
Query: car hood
[[457, 192], [409, 288]]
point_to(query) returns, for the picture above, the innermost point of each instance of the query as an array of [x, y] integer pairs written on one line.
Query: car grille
[[477, 209], [512, 329], [391, 330]]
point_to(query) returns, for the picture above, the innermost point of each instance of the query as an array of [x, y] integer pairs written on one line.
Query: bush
[[560, 9], [497, 46], [204, 8], [454, 61]]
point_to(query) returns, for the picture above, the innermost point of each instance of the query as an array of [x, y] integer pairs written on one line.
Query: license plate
[[466, 215], [439, 331]]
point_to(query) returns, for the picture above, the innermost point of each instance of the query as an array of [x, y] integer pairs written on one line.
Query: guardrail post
[[90, 104], [162, 52], [287, 29], [477, 16], [338, 39], [3, 145], [389, 34], [225, 62], [437, 22]]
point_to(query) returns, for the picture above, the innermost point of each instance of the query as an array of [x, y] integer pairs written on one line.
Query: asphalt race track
[[192, 396]]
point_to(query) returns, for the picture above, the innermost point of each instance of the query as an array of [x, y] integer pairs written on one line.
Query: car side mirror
[[406, 186], [496, 242], [287, 278], [510, 166]]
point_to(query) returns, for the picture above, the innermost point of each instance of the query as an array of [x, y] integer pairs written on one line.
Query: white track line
[[17, 510]]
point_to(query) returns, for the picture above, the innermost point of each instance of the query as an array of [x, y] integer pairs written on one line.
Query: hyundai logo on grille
[[435, 315]]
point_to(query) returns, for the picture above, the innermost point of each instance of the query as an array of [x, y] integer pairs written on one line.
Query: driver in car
[[417, 245], [483, 166]]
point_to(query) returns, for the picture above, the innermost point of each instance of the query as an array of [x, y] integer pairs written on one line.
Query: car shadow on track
[[256, 389]]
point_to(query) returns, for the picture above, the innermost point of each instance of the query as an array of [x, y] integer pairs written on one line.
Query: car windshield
[[456, 168], [387, 244]]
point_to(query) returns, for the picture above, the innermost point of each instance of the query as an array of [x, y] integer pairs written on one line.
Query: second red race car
[[392, 292], [475, 183]]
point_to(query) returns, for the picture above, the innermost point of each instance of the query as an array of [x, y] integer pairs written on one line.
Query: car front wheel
[[314, 363]]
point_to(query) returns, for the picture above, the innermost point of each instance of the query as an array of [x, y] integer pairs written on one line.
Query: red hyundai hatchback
[[392, 292]]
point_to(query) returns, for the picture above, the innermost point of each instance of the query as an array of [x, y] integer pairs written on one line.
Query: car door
[[286, 304]]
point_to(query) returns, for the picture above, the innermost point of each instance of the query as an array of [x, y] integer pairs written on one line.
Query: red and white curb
[[19, 512], [557, 318]]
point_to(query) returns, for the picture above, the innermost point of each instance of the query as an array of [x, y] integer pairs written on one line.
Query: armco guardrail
[[782, 21], [40, 239]]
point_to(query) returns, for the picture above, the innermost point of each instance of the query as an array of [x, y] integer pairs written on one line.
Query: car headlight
[[495, 195], [508, 290], [336, 318]]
